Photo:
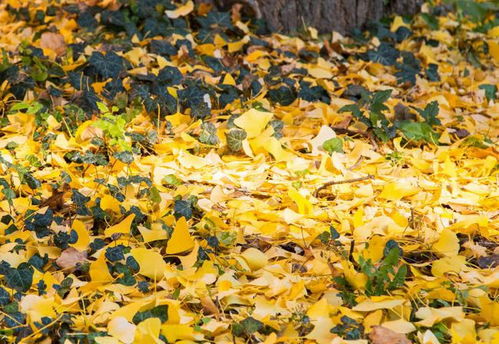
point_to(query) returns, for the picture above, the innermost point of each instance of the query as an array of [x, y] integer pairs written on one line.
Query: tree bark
[[325, 15]]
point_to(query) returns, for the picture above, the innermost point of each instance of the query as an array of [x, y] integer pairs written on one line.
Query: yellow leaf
[[181, 11], [108, 202], [399, 326], [121, 329], [448, 264], [37, 307], [106, 340], [463, 332], [447, 244], [378, 303], [122, 228], [151, 263], [255, 258], [148, 331], [494, 32], [398, 22], [303, 204], [186, 333], [431, 316], [494, 51], [319, 317], [229, 80], [181, 239], [99, 271], [356, 279], [253, 122], [320, 73], [395, 191], [153, 234]]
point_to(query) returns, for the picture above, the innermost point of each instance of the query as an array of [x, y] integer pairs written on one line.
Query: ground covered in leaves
[[172, 174]]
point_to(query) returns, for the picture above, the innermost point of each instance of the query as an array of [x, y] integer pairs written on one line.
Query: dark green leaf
[[109, 65], [235, 138], [124, 156], [182, 209], [20, 278]]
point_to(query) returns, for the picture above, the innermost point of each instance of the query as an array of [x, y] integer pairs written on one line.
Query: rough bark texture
[[324, 15]]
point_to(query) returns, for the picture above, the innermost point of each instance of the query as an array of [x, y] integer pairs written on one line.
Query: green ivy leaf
[[235, 139], [418, 131], [20, 278]]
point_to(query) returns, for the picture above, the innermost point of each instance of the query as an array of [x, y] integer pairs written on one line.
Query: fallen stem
[[345, 181]]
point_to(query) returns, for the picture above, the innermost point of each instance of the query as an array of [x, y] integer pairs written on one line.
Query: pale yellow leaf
[[151, 262], [253, 122]]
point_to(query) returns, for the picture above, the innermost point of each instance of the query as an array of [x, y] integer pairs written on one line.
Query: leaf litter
[[172, 173]]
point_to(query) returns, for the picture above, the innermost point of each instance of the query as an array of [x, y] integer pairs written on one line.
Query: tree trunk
[[324, 15]]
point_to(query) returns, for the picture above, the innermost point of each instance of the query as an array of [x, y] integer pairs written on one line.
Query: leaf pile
[[175, 174]]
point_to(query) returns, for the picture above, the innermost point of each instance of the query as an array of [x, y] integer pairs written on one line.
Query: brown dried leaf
[[70, 257], [382, 335], [53, 41]]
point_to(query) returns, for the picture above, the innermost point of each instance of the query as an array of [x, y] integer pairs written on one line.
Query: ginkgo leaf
[[122, 330], [151, 263], [181, 240], [108, 202], [181, 11], [447, 244], [83, 235], [121, 228], [99, 271], [397, 190], [303, 204], [253, 122], [448, 264], [256, 259]]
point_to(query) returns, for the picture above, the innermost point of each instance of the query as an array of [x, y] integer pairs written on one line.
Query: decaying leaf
[[382, 335]]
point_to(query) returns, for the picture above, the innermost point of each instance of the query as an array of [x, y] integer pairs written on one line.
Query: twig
[[345, 181]]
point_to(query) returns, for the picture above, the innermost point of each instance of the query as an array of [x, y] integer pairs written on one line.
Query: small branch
[[345, 181]]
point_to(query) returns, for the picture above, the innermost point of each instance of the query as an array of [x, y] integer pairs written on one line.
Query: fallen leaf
[[382, 335], [71, 258]]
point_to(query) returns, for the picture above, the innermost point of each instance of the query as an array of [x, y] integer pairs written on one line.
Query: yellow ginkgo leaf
[[153, 234], [181, 240], [255, 258], [494, 51], [447, 244], [303, 204], [181, 11], [99, 271], [121, 228], [228, 80], [397, 23], [121, 329], [181, 333], [108, 202], [397, 190], [253, 122], [37, 307], [448, 264], [151, 263], [148, 331]]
